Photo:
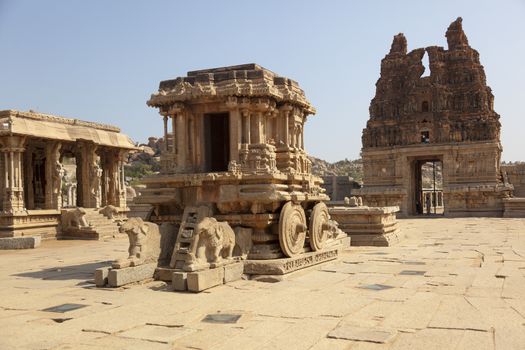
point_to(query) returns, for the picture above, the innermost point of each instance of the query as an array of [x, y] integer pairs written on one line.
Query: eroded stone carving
[[144, 243], [216, 241], [109, 211], [95, 175], [74, 218], [353, 201]]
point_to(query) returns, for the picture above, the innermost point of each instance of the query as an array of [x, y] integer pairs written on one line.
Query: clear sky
[[101, 60]]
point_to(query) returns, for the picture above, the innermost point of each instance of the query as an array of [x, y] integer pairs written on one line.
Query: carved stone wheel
[[318, 220], [292, 229]]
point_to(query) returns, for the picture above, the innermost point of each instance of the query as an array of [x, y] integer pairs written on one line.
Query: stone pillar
[[235, 134], [70, 189], [54, 174], [13, 188], [291, 128], [246, 137], [190, 158], [286, 125], [199, 141], [114, 167], [259, 131], [122, 179], [302, 133], [294, 136], [29, 189], [89, 175], [165, 133], [277, 127], [181, 141], [268, 122], [112, 171], [173, 138]]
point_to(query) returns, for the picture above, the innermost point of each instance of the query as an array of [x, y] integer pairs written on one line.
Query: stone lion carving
[[74, 219], [144, 243], [216, 241], [109, 211]]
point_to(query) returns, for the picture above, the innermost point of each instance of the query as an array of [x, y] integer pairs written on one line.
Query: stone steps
[[100, 227]]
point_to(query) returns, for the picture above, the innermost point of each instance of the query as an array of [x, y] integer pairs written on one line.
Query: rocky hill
[[144, 162], [352, 168]]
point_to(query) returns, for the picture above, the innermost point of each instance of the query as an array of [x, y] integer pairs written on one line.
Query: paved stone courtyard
[[450, 284]]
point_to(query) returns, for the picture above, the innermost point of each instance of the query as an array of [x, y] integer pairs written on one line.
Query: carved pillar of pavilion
[[122, 179], [168, 152], [302, 133], [114, 167], [111, 168], [54, 173], [90, 175], [180, 140], [236, 127], [245, 126], [12, 148], [29, 192], [285, 111], [180, 147], [262, 107], [283, 143]]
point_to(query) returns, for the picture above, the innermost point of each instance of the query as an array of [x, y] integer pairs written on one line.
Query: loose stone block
[[201, 280], [20, 242], [164, 274], [101, 276], [179, 281], [233, 272], [120, 277]]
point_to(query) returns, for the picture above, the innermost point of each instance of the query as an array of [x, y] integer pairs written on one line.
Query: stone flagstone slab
[[159, 334], [372, 335]]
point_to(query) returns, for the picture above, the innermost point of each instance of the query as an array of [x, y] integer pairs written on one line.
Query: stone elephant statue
[[144, 243], [216, 241]]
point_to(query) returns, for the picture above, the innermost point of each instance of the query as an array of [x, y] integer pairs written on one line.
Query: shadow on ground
[[72, 272]]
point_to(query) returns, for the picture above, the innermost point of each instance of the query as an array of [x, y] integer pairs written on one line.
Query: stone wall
[[515, 175]]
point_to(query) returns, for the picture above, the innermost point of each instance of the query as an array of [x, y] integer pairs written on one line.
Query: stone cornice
[[57, 119], [249, 80]]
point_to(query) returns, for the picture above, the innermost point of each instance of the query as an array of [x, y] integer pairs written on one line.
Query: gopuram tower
[[433, 142]]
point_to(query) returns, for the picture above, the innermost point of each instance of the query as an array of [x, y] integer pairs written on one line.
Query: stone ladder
[[100, 226]]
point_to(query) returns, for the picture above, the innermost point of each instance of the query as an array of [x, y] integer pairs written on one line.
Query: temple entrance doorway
[[428, 189], [216, 141]]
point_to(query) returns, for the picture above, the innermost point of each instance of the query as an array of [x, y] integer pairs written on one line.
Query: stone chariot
[[235, 152]]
